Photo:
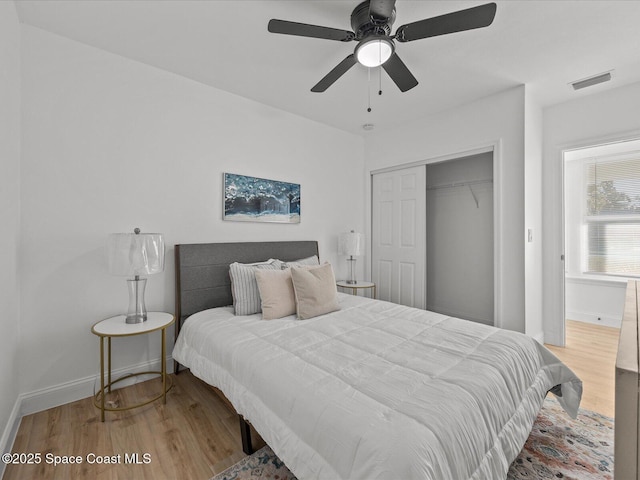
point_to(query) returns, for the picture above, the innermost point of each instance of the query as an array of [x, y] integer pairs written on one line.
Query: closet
[[432, 236]]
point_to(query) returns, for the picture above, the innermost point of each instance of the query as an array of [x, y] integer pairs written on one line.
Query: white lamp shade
[[351, 243], [135, 254]]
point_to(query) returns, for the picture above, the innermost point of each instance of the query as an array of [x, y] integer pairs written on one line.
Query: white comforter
[[378, 390]]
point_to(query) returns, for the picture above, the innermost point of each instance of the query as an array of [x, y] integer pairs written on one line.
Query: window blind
[[613, 216]]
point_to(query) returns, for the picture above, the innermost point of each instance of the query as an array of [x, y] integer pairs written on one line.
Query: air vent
[[588, 82]]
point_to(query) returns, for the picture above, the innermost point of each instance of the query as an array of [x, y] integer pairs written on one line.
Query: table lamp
[[352, 244], [135, 254]]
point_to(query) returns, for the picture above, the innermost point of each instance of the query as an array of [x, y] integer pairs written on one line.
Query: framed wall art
[[253, 199]]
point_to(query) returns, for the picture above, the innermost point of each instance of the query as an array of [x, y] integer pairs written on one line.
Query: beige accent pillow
[[276, 293], [315, 290]]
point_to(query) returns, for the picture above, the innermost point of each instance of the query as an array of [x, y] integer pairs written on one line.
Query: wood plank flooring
[[196, 435], [590, 352]]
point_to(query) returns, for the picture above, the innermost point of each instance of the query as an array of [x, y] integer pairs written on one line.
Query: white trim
[[10, 432], [612, 218], [553, 297], [441, 158], [598, 280], [498, 230], [64, 393], [595, 318], [494, 147], [75, 390]]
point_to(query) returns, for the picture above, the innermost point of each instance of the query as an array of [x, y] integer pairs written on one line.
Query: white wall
[[533, 217], [111, 144], [9, 218], [497, 121], [599, 118], [592, 301]]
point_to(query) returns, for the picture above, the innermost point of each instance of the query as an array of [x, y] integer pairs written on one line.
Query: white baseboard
[[68, 392], [604, 320], [10, 432], [45, 398]]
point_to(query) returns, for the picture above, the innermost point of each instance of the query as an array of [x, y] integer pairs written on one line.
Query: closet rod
[[460, 184]]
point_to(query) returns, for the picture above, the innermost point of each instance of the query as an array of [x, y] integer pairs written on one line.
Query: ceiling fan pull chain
[[380, 69], [369, 90]]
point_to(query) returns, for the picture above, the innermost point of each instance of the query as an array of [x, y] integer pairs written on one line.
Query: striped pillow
[[244, 288]]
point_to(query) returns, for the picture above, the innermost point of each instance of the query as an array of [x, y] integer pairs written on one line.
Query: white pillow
[[276, 293], [244, 289], [315, 289], [312, 260]]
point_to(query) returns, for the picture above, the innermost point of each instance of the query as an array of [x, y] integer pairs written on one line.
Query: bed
[[372, 390]]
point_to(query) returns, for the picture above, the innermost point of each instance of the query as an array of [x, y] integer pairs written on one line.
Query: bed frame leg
[[245, 433]]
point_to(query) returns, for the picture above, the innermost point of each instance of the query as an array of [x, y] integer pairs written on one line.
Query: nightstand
[[116, 327], [358, 286]]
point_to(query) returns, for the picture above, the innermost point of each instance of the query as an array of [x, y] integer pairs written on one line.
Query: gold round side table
[[117, 327], [355, 287]]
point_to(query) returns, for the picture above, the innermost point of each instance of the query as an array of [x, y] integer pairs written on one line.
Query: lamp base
[[137, 312], [136, 318], [352, 271]]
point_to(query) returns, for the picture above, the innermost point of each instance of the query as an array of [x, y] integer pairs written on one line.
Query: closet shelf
[[459, 184], [468, 184]]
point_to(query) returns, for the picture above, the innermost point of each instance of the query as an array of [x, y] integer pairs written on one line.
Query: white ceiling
[[225, 44]]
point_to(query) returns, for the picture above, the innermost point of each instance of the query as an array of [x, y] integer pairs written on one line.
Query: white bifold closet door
[[399, 236]]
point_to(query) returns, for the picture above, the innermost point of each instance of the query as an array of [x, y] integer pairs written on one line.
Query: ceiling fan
[[371, 21]]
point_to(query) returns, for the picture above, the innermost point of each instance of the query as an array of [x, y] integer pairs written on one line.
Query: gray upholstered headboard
[[202, 270]]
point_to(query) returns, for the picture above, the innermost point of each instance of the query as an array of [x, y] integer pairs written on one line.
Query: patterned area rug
[[558, 447]]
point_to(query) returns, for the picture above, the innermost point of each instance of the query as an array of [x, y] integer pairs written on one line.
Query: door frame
[[554, 290], [496, 149]]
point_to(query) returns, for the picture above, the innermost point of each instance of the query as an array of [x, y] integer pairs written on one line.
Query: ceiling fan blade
[[381, 9], [304, 30], [399, 73], [334, 74], [469, 19]]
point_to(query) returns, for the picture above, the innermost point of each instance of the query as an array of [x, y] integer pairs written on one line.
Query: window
[[612, 215]]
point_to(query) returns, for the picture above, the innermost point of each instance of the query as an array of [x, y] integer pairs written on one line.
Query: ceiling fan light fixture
[[373, 51]]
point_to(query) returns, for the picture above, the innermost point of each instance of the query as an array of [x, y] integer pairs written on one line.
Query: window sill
[[601, 280]]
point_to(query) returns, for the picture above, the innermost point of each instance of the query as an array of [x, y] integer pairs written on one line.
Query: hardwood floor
[[591, 353], [196, 435]]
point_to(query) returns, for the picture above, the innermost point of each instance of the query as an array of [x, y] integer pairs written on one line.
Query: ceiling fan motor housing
[[364, 25]]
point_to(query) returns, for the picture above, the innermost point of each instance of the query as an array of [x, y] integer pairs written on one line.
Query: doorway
[[601, 207], [460, 238]]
